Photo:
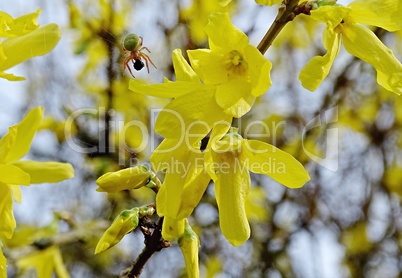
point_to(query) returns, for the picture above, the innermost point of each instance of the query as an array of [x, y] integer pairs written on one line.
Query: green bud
[[146, 211], [326, 2], [189, 244], [123, 224]]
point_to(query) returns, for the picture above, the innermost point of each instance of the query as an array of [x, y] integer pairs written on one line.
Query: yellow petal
[[45, 262], [219, 130], [10, 27], [161, 201], [185, 179], [234, 97], [386, 14], [259, 70], [182, 69], [124, 223], [11, 77], [268, 2], [364, 44], [165, 90], [172, 228], [7, 141], [317, 69], [36, 43], [17, 194], [161, 156], [190, 116], [231, 189], [208, 65], [223, 35], [3, 264], [332, 15], [7, 223], [189, 244], [126, 179], [41, 172], [25, 133], [263, 158], [10, 174]]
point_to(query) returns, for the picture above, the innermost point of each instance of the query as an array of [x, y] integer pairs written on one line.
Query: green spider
[[133, 51]]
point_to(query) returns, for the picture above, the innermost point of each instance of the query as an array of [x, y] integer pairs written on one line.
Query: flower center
[[235, 63]]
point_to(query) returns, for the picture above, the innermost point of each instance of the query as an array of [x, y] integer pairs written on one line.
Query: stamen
[[235, 63]]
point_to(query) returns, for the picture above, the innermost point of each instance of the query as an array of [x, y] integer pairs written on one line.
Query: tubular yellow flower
[[124, 223], [16, 50], [194, 109], [359, 41], [238, 69], [228, 160], [185, 180], [189, 244], [126, 179], [13, 171]]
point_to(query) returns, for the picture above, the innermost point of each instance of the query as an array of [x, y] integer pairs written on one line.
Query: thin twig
[[288, 10]]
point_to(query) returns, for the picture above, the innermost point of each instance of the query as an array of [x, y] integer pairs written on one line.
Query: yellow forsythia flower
[[24, 40], [239, 71], [229, 159], [343, 23], [194, 102], [46, 263], [184, 185], [14, 172]]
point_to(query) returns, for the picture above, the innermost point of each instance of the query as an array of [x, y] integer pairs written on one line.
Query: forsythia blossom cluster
[[222, 83], [15, 172]]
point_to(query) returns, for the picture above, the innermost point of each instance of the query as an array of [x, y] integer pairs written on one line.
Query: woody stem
[[286, 13]]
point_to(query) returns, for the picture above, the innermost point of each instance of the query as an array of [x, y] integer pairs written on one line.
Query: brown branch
[[288, 10], [153, 243]]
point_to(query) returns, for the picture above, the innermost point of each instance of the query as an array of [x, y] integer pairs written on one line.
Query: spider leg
[[126, 61], [147, 58], [146, 48], [146, 61]]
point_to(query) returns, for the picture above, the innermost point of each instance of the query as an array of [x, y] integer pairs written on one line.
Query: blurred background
[[346, 222]]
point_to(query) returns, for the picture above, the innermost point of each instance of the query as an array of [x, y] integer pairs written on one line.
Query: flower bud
[[130, 178], [189, 244], [124, 223]]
